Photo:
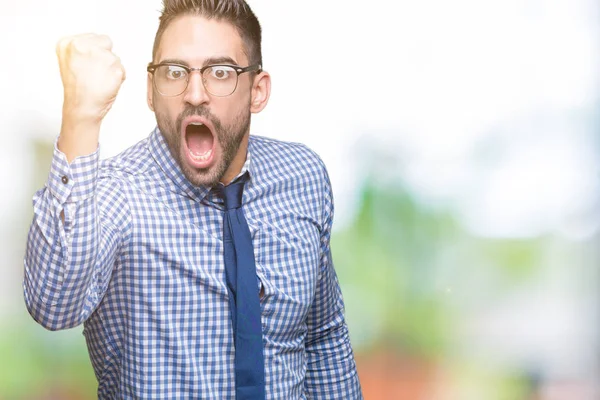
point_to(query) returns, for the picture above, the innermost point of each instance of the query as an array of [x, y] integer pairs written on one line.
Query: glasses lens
[[170, 80], [220, 80]]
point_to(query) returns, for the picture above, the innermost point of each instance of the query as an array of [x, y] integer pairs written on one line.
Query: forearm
[[71, 142], [331, 368]]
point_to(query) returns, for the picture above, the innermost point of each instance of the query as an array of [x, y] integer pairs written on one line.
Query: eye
[[220, 72], [175, 72]]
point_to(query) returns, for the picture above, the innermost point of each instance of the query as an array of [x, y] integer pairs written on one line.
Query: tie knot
[[232, 193]]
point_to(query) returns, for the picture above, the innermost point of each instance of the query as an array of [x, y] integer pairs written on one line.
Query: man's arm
[[77, 226], [331, 369]]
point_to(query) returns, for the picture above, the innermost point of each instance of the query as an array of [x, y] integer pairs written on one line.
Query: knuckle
[[84, 43], [62, 44], [77, 45], [106, 40]]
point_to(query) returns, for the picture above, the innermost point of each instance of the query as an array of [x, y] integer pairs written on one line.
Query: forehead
[[194, 39]]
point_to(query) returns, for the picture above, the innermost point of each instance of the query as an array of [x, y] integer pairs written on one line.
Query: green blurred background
[[463, 149]]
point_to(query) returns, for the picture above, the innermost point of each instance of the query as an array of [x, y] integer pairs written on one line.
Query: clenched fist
[[92, 76]]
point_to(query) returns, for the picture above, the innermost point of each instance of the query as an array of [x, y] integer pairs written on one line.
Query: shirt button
[[65, 180]]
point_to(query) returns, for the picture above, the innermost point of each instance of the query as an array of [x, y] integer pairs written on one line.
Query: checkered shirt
[[137, 256]]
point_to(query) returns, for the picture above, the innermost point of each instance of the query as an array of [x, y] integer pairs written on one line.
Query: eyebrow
[[208, 61], [219, 60]]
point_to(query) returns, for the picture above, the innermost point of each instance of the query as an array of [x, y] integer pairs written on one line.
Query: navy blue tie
[[242, 284]]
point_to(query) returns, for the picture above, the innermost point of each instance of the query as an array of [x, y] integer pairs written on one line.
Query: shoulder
[[296, 173], [286, 158]]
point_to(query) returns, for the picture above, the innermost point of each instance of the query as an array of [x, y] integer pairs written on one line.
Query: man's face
[[207, 135]]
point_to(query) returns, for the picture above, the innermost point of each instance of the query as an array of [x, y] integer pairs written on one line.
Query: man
[[198, 259]]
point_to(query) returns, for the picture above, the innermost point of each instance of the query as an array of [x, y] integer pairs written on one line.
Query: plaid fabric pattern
[[128, 247]]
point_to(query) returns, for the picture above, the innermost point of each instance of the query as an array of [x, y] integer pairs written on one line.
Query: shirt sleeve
[[72, 242], [331, 369]]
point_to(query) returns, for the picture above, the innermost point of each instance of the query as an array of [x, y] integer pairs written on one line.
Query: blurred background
[[462, 140]]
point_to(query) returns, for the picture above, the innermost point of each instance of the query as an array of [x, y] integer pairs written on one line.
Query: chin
[[209, 176]]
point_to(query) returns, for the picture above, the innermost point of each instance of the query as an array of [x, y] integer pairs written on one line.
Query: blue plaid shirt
[[139, 260]]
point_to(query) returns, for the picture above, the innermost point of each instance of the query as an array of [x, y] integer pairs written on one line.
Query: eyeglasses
[[219, 80]]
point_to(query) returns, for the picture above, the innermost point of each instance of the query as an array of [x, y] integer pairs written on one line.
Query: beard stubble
[[229, 138]]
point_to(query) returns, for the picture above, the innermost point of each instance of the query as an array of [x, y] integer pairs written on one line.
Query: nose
[[195, 93]]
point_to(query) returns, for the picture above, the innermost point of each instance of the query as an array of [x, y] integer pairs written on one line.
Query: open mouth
[[200, 141]]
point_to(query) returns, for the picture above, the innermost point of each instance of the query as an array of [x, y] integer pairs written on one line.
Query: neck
[[237, 163]]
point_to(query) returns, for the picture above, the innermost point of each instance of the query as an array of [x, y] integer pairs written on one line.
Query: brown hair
[[236, 12]]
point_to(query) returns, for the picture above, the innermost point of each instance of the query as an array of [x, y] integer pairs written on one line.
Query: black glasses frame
[[239, 70]]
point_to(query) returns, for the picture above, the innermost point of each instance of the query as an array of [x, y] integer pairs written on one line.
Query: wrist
[[74, 114], [78, 136]]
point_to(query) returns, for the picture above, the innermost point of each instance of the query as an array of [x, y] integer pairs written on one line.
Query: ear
[[261, 91], [150, 90]]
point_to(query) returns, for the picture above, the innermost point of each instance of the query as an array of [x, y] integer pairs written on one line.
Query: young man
[[198, 259]]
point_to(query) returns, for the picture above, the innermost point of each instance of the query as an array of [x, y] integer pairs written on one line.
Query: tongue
[[199, 139]]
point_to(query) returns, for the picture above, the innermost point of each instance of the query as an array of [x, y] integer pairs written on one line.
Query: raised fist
[[91, 74]]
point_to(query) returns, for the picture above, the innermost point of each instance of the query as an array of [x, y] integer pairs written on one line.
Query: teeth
[[196, 123], [202, 157]]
